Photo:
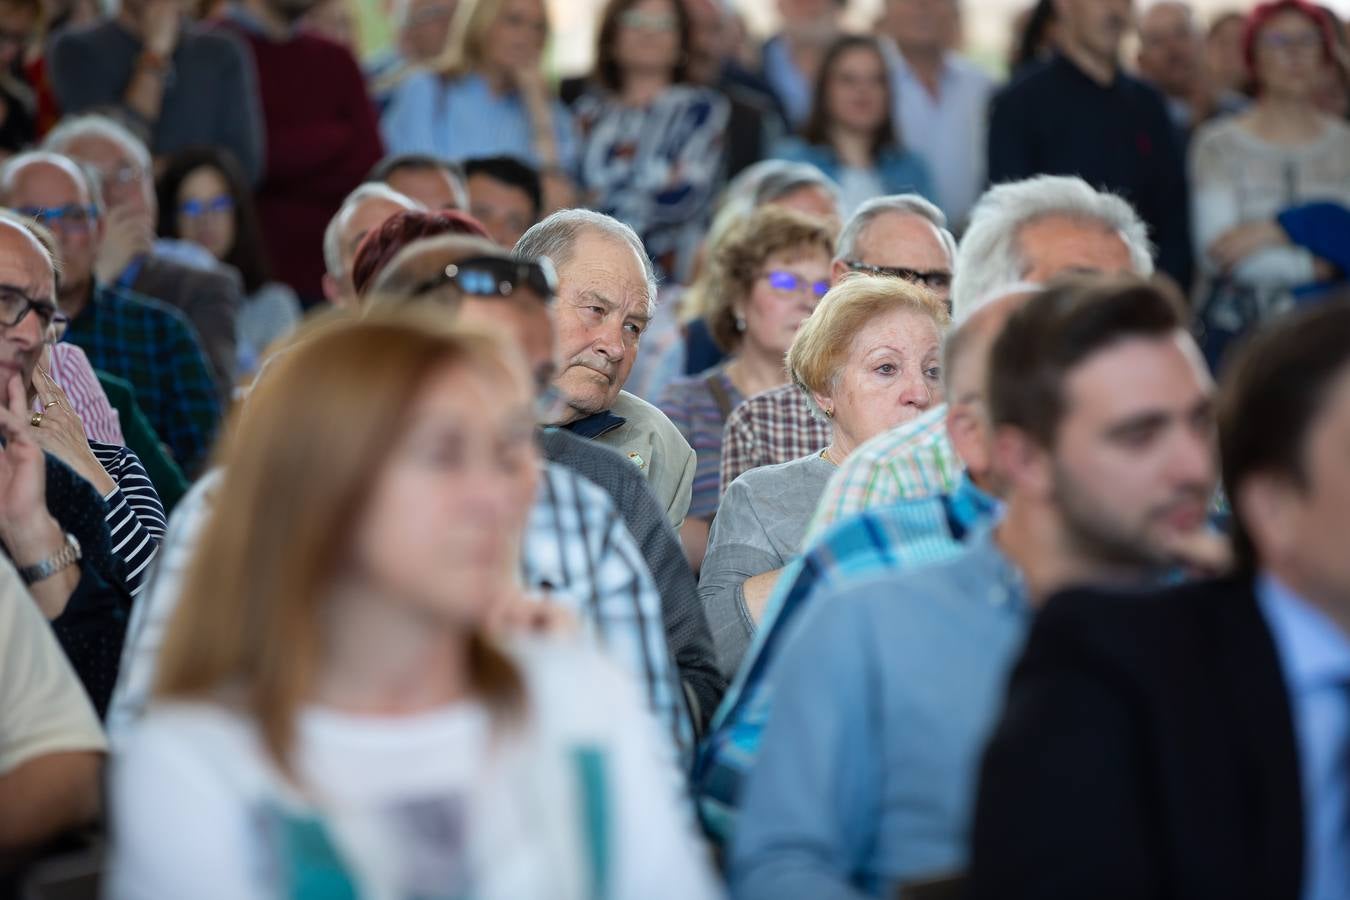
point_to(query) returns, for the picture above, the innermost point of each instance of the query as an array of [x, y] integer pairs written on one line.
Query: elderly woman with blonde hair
[[868, 359]]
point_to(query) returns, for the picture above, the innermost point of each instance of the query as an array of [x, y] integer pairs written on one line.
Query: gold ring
[[50, 404], [36, 420]]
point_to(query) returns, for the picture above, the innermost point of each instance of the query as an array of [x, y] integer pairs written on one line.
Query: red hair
[[379, 247], [1260, 17]]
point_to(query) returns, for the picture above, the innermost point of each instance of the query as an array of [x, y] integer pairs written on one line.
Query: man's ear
[[1023, 464], [837, 271], [1266, 504], [966, 431], [333, 291]]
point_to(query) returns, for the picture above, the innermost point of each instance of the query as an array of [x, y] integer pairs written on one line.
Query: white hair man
[[1022, 231], [364, 210], [606, 298], [182, 275], [902, 236]]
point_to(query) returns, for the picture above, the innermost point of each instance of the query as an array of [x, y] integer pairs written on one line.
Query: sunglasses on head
[[496, 276]]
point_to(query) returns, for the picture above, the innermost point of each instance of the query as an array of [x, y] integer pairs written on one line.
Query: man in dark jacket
[[1195, 741]]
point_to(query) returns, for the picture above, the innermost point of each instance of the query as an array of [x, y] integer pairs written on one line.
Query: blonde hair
[[823, 342], [301, 459], [468, 36], [739, 257]]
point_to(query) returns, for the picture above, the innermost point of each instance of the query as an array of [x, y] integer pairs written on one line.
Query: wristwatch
[[66, 556]]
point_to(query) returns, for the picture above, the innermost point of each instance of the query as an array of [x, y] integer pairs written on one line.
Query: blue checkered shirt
[[886, 539], [154, 347]]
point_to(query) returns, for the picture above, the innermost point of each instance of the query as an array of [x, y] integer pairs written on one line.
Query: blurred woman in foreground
[[338, 711]]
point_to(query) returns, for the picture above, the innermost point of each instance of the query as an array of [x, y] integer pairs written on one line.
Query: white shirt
[[578, 800], [947, 131]]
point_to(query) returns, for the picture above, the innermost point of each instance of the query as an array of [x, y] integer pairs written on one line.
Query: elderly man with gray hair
[[1021, 231], [364, 210], [606, 298], [902, 236]]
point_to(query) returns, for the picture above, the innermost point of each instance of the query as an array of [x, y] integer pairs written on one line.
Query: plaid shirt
[[774, 427], [575, 548], [153, 347], [887, 539], [579, 552], [909, 462]]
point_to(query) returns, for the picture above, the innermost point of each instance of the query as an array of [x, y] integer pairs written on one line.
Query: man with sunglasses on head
[[148, 343], [901, 236]]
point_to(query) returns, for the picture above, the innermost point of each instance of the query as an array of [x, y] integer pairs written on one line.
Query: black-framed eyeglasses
[[15, 305], [496, 276], [934, 279]]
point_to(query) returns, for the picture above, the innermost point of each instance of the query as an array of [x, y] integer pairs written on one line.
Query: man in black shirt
[[1078, 114]]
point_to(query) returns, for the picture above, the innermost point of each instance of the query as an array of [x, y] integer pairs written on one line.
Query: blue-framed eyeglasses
[[194, 209], [72, 217], [790, 283]]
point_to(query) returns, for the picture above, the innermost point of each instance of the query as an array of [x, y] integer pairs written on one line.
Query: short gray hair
[[98, 126], [991, 254], [901, 204], [332, 235], [93, 186], [777, 183], [556, 238]]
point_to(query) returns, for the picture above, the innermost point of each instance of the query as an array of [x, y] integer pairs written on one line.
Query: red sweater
[[322, 139]]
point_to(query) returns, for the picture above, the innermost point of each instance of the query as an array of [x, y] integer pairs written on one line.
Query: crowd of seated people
[[827, 468]]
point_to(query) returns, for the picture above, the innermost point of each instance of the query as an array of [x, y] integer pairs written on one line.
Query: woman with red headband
[[1267, 183]]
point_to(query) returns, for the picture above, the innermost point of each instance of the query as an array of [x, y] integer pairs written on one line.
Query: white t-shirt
[[579, 801], [43, 707]]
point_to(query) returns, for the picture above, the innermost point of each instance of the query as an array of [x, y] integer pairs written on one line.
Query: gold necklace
[[825, 455]]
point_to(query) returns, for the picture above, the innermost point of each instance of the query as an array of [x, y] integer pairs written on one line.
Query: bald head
[[54, 190], [25, 272]]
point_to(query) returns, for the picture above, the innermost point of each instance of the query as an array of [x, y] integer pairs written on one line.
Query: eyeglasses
[[1291, 43], [790, 283], [636, 18], [934, 280], [195, 209], [15, 305], [496, 276], [71, 218], [123, 176]]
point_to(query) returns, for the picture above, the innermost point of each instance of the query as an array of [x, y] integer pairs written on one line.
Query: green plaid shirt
[[909, 462], [154, 347]]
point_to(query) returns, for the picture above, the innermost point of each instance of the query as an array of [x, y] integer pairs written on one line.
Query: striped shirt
[[71, 371], [909, 462], [136, 520], [694, 407], [774, 427], [888, 539], [575, 548]]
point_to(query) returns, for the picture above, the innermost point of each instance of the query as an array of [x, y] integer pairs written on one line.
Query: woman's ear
[[825, 402]]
